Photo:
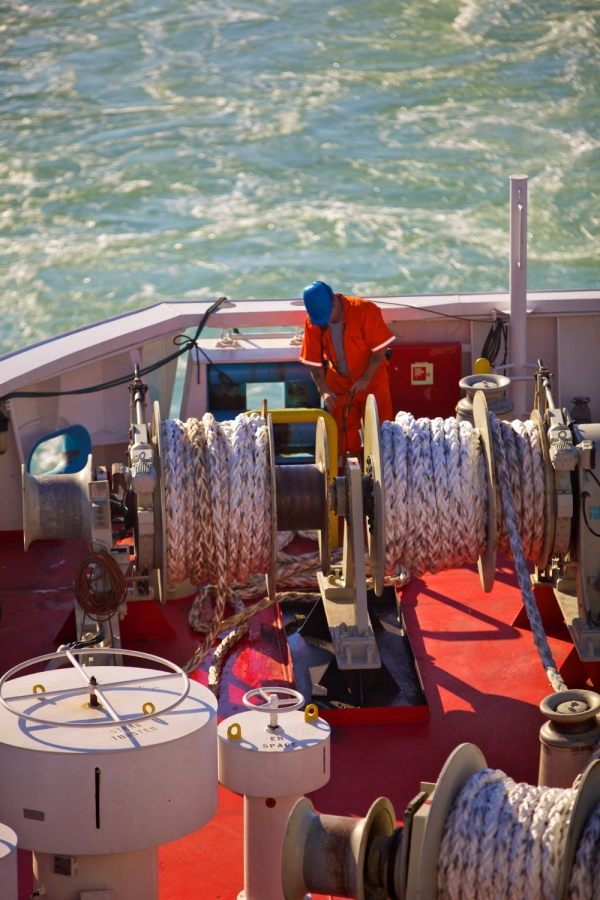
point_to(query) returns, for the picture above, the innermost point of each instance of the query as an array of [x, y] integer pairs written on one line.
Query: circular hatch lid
[[100, 708]]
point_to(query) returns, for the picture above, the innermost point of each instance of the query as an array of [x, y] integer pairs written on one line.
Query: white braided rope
[[217, 505], [436, 492], [504, 840], [436, 495]]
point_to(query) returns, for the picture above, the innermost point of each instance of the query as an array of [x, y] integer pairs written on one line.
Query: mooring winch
[[207, 500], [474, 832]]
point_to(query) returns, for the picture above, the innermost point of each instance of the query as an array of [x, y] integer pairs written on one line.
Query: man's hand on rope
[[329, 399], [360, 385]]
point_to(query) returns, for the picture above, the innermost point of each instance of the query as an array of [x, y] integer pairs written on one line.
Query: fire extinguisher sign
[[421, 373]]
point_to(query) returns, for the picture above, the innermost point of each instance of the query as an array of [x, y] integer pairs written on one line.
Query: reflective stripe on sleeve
[[307, 362], [381, 346]]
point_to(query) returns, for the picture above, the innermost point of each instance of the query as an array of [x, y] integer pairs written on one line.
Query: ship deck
[[481, 674]]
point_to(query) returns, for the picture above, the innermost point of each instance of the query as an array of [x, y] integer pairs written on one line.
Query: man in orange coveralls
[[344, 343]]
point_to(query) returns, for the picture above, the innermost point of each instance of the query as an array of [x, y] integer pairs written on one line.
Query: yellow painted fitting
[[148, 708], [39, 688], [234, 732], [482, 366], [287, 416], [311, 713]]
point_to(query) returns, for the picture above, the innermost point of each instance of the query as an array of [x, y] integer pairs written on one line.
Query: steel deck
[[482, 677]]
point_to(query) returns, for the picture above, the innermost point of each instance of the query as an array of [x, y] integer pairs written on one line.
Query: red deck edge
[[11, 537], [378, 715]]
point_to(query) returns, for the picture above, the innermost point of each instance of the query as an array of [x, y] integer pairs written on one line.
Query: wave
[[245, 148]]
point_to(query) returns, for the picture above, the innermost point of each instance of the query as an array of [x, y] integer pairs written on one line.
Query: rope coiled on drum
[[217, 505], [436, 501], [503, 840]]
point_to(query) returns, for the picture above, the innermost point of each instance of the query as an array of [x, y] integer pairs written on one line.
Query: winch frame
[[303, 499], [571, 557]]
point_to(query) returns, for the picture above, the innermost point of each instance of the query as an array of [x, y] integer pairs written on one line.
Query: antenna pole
[[518, 293]]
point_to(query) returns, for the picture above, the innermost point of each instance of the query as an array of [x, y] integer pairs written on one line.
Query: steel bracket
[[344, 591]]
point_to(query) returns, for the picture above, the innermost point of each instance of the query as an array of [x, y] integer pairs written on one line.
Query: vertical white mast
[[518, 293]]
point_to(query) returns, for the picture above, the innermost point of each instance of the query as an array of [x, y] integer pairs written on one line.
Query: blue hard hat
[[318, 300]]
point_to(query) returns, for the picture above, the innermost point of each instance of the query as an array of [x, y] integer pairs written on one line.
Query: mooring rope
[[297, 574], [217, 505], [436, 501], [239, 624], [436, 505], [503, 840], [436, 491], [218, 498], [518, 554]]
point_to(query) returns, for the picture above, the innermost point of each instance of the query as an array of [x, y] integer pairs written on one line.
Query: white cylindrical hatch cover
[[70, 789]]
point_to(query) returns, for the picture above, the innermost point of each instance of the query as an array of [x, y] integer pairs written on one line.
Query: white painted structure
[[93, 799], [563, 327], [272, 765], [8, 864]]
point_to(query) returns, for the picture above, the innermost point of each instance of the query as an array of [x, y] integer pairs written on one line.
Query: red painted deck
[[482, 677]]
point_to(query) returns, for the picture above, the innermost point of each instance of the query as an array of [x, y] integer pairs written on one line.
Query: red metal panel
[[424, 378]]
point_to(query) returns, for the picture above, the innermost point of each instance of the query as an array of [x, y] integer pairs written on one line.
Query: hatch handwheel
[[96, 689], [276, 700]]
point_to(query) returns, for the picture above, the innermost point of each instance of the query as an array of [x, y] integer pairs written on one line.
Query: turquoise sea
[[177, 150]]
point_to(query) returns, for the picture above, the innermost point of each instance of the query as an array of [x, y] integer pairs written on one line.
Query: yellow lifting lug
[[311, 713], [234, 732]]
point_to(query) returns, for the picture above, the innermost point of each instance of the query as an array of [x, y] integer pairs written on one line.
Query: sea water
[[176, 149]]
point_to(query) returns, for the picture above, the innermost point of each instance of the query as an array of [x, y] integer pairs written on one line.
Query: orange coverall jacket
[[365, 333]]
